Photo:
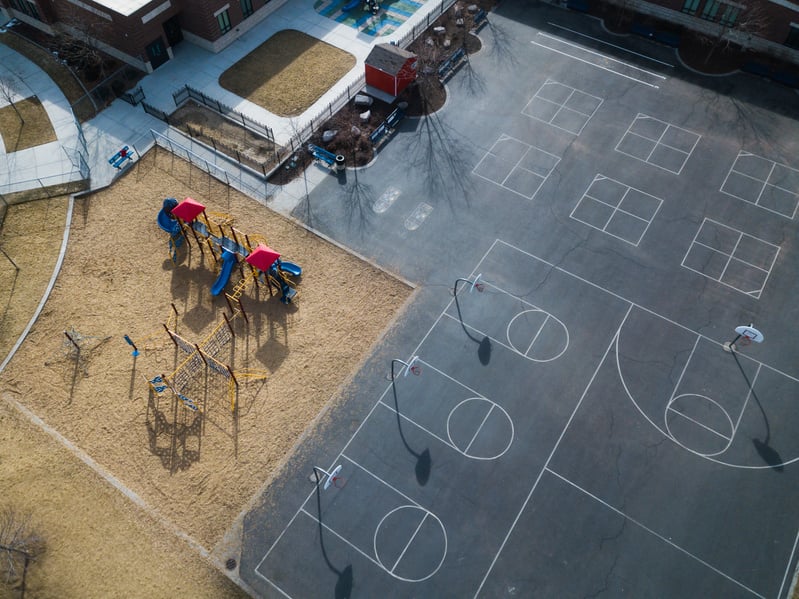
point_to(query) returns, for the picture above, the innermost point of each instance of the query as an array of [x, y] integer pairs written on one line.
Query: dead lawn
[[25, 124], [288, 72]]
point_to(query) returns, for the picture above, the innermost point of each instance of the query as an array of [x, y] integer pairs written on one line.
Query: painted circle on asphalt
[[480, 428], [537, 335], [699, 423], [410, 543]]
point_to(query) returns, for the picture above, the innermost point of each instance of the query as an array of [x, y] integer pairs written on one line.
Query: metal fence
[[218, 166], [420, 27], [187, 92]]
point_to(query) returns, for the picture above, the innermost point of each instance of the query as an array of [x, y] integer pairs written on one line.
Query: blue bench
[[479, 20], [378, 133], [322, 155], [118, 159], [395, 118], [448, 67]]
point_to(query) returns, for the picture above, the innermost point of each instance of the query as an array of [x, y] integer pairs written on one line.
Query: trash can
[[340, 166]]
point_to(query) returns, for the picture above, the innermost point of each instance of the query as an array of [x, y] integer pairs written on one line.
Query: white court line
[[596, 39], [341, 538], [723, 253], [682, 374], [538, 332], [408, 544], [731, 254], [603, 56], [704, 426], [419, 426], [552, 453], [596, 65], [652, 532], [479, 428], [625, 300]]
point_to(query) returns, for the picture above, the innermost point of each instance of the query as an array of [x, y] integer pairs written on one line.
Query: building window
[[723, 14], [28, 7], [792, 41], [690, 7], [223, 19], [246, 8]]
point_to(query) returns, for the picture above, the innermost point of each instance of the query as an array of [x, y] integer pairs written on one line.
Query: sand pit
[[118, 279]]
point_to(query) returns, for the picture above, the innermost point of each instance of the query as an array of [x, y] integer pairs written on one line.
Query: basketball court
[[558, 414]]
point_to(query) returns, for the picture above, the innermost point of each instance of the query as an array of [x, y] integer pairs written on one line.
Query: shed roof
[[388, 58]]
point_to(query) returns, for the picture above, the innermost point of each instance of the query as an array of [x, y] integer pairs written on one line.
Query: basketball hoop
[[339, 482], [416, 370], [744, 341], [480, 287]]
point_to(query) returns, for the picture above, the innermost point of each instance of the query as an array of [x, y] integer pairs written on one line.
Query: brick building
[[143, 32], [766, 26]]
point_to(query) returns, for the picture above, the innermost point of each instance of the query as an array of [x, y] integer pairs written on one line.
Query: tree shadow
[[769, 455], [344, 580]]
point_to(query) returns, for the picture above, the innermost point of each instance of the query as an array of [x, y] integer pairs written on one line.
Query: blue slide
[[169, 223], [293, 269], [229, 260]]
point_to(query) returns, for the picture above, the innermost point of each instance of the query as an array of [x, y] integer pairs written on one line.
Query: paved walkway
[[122, 123]]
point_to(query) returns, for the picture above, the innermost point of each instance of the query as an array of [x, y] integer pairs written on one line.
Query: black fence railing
[[187, 93]]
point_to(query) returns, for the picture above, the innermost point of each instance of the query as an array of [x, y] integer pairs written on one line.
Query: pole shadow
[[344, 580], [423, 460], [483, 345], [769, 455]]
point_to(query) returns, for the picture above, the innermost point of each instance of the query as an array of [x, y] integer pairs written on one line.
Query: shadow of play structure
[[181, 219]]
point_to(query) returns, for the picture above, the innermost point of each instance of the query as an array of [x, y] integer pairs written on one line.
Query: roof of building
[[125, 7], [388, 58]]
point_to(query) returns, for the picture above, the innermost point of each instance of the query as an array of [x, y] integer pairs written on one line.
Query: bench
[[322, 155], [118, 159], [479, 20], [378, 133], [386, 128], [448, 67], [395, 118]]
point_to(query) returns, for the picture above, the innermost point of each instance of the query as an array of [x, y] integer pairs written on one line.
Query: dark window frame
[[246, 8], [223, 20]]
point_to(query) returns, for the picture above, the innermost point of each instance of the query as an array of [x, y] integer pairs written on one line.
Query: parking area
[[567, 423]]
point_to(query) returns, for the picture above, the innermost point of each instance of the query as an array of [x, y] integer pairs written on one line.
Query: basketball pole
[[408, 365]]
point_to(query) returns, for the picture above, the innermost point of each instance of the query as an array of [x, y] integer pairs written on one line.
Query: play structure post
[[233, 234], [168, 332], [199, 351], [232, 376], [229, 305], [227, 321], [197, 239], [243, 313], [133, 345], [175, 310], [211, 249]]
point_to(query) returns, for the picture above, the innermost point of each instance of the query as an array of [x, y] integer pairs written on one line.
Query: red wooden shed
[[390, 69]]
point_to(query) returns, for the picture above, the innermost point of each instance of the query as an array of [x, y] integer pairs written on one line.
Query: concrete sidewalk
[[122, 124]]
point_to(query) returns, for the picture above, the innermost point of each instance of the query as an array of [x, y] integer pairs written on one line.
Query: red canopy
[[262, 257], [188, 210]]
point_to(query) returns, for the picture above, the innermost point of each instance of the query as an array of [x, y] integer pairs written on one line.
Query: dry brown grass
[[25, 124], [288, 72]]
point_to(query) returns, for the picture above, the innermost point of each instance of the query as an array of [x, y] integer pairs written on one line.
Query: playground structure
[[168, 393], [182, 220]]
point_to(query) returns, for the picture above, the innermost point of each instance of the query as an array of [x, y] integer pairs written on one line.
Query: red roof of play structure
[[188, 210], [262, 257]]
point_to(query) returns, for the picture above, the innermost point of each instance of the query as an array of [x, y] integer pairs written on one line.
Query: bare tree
[[736, 26], [20, 545]]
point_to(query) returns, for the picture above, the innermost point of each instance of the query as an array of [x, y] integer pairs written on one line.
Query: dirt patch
[[287, 73], [232, 139]]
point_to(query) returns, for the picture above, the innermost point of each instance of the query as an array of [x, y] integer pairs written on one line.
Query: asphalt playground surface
[[572, 425]]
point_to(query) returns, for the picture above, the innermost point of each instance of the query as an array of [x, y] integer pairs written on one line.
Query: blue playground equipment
[[350, 5], [278, 274], [229, 260]]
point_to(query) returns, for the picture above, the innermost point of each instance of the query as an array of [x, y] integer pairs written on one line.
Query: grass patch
[[25, 125], [287, 73]]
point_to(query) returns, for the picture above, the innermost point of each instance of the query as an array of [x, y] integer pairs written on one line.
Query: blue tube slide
[[229, 260]]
